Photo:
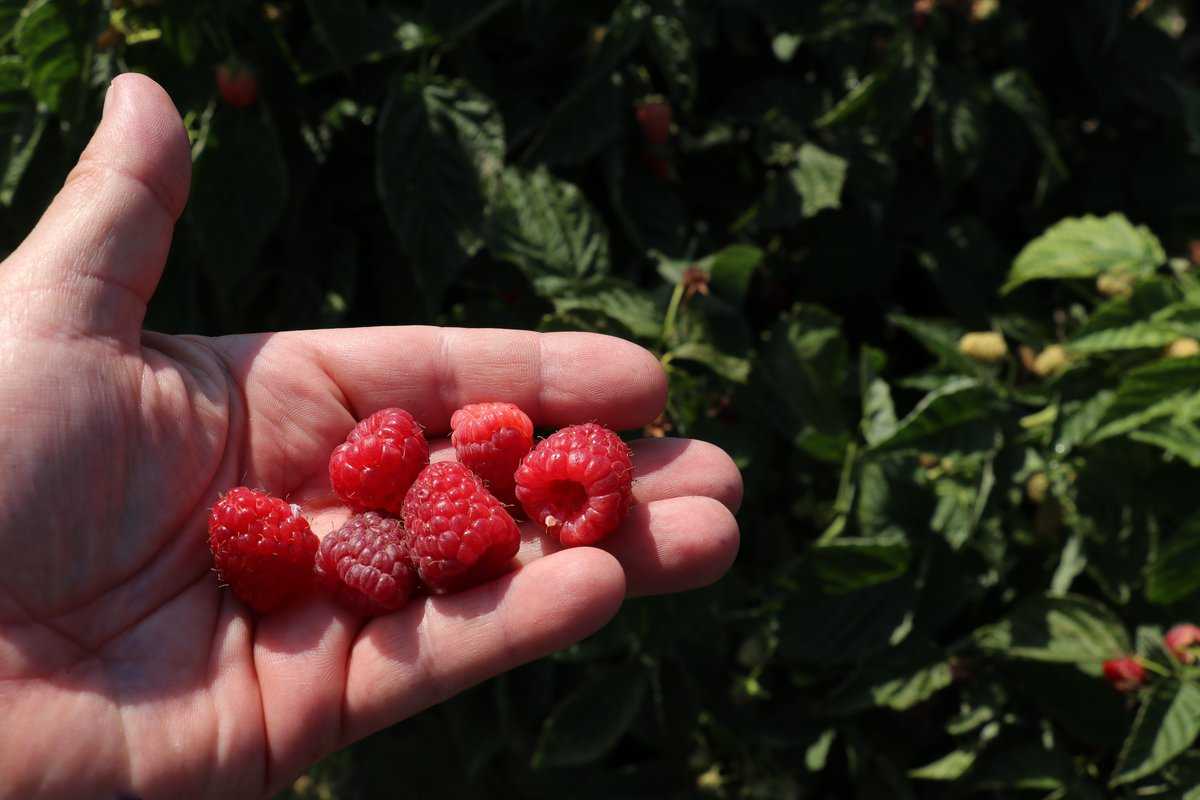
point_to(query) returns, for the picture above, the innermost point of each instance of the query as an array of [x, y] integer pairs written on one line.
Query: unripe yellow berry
[[986, 347]]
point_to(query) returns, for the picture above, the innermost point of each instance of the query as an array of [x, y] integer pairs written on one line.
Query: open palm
[[124, 669]]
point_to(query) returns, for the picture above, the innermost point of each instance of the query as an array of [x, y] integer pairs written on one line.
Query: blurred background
[[804, 207]]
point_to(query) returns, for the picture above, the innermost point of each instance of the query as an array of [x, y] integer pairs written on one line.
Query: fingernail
[[108, 97]]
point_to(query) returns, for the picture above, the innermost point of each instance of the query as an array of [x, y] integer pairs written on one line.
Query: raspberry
[[1184, 642], [379, 460], [654, 118], [459, 535], [491, 439], [237, 84], [577, 483], [365, 565], [1125, 674], [262, 548]]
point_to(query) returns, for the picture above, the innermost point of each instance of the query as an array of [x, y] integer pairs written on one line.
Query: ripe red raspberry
[[365, 565], [654, 118], [262, 548], [379, 460], [491, 439], [577, 483], [1125, 674], [458, 534], [1184, 642], [237, 84]]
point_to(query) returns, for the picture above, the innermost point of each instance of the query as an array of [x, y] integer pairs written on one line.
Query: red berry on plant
[[1125, 674], [577, 483], [458, 534], [262, 548], [365, 565], [1184, 642], [654, 118], [379, 460], [491, 439], [237, 84]]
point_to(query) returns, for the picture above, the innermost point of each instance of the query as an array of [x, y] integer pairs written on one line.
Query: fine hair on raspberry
[[261, 547], [365, 565], [458, 534], [491, 439], [379, 460], [577, 483]]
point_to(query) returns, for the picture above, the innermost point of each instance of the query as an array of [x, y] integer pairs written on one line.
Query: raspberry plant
[[926, 269]]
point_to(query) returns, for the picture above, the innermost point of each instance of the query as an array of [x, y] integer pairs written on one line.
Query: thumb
[[91, 264]]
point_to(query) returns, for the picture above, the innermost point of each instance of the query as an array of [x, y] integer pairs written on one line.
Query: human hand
[[124, 669]]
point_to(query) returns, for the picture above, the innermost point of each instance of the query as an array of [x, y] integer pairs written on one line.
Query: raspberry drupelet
[[365, 565], [379, 460], [491, 439], [577, 483], [261, 547], [457, 533]]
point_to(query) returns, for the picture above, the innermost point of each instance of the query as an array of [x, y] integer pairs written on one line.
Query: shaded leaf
[[1016, 89], [848, 564], [440, 150], [241, 148], [592, 719], [547, 228], [805, 350], [1174, 571]]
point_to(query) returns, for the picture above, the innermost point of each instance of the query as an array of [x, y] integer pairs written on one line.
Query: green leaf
[[889, 96], [849, 564], [1071, 629], [50, 37], [731, 269], [898, 681], [957, 403], [1132, 337], [546, 228], [818, 178], [949, 767], [1166, 725], [241, 149], [439, 152], [1162, 390], [590, 721], [732, 368], [633, 308], [21, 127], [1174, 572], [1084, 247], [939, 338], [879, 412]]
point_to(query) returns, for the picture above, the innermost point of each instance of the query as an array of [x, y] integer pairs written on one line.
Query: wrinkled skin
[[125, 670]]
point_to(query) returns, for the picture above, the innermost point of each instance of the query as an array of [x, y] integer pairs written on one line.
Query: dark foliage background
[[943, 537]]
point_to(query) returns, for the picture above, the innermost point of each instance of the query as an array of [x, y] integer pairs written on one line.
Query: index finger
[[556, 378]]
